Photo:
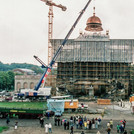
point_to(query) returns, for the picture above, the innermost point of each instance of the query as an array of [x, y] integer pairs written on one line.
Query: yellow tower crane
[[50, 24]]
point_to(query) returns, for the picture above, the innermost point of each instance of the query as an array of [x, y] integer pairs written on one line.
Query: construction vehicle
[[22, 109], [49, 67]]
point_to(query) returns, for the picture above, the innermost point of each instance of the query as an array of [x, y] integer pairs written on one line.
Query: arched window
[[25, 85], [18, 86], [31, 85]]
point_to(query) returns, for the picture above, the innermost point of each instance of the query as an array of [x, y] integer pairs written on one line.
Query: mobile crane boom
[[49, 67]]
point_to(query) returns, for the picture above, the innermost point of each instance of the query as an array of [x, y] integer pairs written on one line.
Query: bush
[[3, 128]]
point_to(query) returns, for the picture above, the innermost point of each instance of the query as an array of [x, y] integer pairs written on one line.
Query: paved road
[[34, 123], [32, 126]]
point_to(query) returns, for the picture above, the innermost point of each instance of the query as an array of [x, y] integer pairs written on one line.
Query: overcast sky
[[24, 25]]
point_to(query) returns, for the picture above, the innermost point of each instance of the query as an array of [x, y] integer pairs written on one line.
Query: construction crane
[[50, 24], [49, 67]]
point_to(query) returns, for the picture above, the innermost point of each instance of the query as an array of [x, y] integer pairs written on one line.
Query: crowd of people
[[120, 127], [79, 122], [82, 123]]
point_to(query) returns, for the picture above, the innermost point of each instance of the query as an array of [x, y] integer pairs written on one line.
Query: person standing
[[98, 132], [50, 127], [109, 130], [99, 121], [90, 124], [85, 124], [55, 121], [93, 123], [65, 125], [48, 115], [125, 132], [16, 125], [82, 132], [46, 128], [80, 123], [74, 118], [58, 121], [71, 120], [111, 123], [96, 123], [42, 122], [71, 129], [118, 128], [108, 125], [7, 120], [77, 124], [124, 123]]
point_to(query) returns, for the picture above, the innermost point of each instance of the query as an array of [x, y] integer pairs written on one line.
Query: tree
[[6, 80]]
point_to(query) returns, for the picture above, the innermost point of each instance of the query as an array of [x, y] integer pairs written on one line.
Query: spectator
[[98, 132], [46, 128], [50, 127], [7, 120], [16, 125], [74, 119], [96, 123], [82, 132], [71, 130], [55, 121], [118, 128], [58, 121], [93, 123], [48, 115], [90, 124], [109, 130], [108, 125], [42, 122], [71, 120], [65, 125], [85, 124], [99, 121], [77, 124], [80, 123], [111, 123], [124, 123], [125, 132]]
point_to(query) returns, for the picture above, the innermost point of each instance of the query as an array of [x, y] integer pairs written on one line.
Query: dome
[[94, 24], [94, 19]]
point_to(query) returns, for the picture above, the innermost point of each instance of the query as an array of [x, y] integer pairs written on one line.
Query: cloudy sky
[[24, 25]]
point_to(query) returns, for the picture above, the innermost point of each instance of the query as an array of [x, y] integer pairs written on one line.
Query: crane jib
[[60, 48]]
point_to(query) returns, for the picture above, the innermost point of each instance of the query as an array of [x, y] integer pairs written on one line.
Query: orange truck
[[71, 104], [104, 101], [131, 99]]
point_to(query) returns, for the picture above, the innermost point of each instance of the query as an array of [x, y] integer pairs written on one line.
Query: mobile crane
[[49, 67]]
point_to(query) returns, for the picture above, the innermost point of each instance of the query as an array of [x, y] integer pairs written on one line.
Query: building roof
[[24, 71]]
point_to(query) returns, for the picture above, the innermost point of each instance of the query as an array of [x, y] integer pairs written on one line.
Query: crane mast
[[50, 32], [49, 67], [50, 24]]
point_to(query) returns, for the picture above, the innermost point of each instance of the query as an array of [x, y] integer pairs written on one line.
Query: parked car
[[51, 113], [58, 113]]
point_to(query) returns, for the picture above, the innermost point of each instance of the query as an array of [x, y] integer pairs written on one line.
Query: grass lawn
[[3, 128], [31, 105]]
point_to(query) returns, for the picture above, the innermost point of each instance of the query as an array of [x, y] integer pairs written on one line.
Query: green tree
[[6, 80]]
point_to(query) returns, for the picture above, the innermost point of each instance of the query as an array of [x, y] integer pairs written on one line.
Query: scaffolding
[[94, 60]]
